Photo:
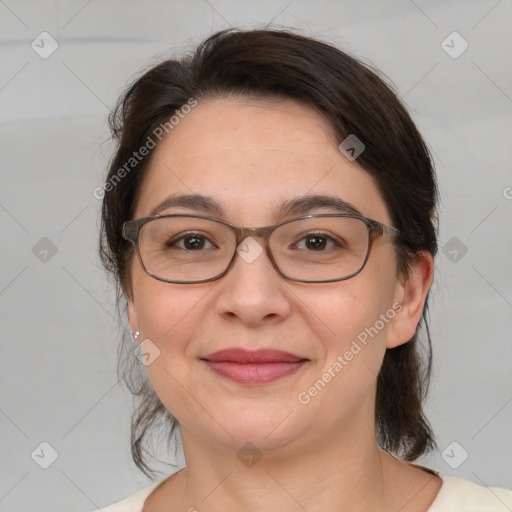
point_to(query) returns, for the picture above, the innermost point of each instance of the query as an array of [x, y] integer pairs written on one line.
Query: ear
[[132, 315], [411, 293]]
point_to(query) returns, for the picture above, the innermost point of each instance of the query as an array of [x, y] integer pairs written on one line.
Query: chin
[[266, 428]]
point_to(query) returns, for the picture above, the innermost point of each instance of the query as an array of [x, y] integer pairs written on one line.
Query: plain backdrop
[[58, 382]]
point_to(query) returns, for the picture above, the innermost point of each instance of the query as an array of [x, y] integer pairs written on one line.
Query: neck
[[329, 474]]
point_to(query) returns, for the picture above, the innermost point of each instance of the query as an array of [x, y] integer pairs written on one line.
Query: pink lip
[[254, 367]]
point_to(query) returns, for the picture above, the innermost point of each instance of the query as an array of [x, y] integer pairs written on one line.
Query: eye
[[190, 242], [316, 242]]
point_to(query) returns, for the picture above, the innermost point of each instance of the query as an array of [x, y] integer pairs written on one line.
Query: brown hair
[[355, 99]]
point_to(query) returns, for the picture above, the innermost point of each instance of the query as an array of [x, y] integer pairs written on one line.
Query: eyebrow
[[296, 206], [304, 204], [199, 202]]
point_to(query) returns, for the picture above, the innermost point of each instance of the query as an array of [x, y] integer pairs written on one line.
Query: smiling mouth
[[254, 367]]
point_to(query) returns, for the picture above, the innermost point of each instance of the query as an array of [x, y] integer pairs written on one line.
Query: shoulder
[[455, 495], [461, 495], [133, 503]]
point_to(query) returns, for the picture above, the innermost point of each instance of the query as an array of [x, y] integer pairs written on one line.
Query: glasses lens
[[320, 248], [185, 248]]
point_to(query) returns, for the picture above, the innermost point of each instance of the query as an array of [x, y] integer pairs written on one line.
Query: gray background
[[58, 381]]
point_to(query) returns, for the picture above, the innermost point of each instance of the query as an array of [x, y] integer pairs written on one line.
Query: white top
[[455, 495]]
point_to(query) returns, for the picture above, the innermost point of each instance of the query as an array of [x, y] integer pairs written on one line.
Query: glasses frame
[[131, 232]]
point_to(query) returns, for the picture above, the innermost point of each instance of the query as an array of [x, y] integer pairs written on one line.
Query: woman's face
[[250, 156]]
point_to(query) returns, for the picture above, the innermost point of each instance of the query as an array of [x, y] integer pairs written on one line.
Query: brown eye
[[192, 242], [316, 242]]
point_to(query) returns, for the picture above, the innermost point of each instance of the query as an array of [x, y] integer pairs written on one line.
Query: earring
[[136, 334]]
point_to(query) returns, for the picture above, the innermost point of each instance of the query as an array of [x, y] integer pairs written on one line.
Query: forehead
[[252, 155]]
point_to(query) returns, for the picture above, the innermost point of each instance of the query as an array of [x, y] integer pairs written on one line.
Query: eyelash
[[172, 243]]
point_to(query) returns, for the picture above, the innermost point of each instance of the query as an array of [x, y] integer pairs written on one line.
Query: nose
[[253, 292]]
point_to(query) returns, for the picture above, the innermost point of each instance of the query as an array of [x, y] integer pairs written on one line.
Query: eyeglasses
[[317, 248]]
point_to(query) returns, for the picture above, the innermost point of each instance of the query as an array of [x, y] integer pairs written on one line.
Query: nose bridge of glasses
[[244, 233]]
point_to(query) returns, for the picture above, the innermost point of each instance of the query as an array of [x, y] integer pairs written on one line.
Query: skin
[[251, 155]]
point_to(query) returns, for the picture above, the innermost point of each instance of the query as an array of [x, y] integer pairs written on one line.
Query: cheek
[[351, 318], [350, 306], [167, 314], [351, 323]]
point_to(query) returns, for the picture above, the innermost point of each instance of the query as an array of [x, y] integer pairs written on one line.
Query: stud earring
[[136, 334]]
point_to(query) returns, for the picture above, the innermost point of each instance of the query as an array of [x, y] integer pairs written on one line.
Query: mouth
[[254, 367]]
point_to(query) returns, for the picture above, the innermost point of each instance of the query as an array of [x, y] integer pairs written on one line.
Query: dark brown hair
[[355, 99]]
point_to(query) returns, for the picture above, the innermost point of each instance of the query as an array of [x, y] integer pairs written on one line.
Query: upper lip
[[240, 355]]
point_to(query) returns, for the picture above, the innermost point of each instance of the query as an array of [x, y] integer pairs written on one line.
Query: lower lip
[[254, 373]]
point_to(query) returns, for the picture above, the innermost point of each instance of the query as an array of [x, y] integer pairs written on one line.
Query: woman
[[287, 351]]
